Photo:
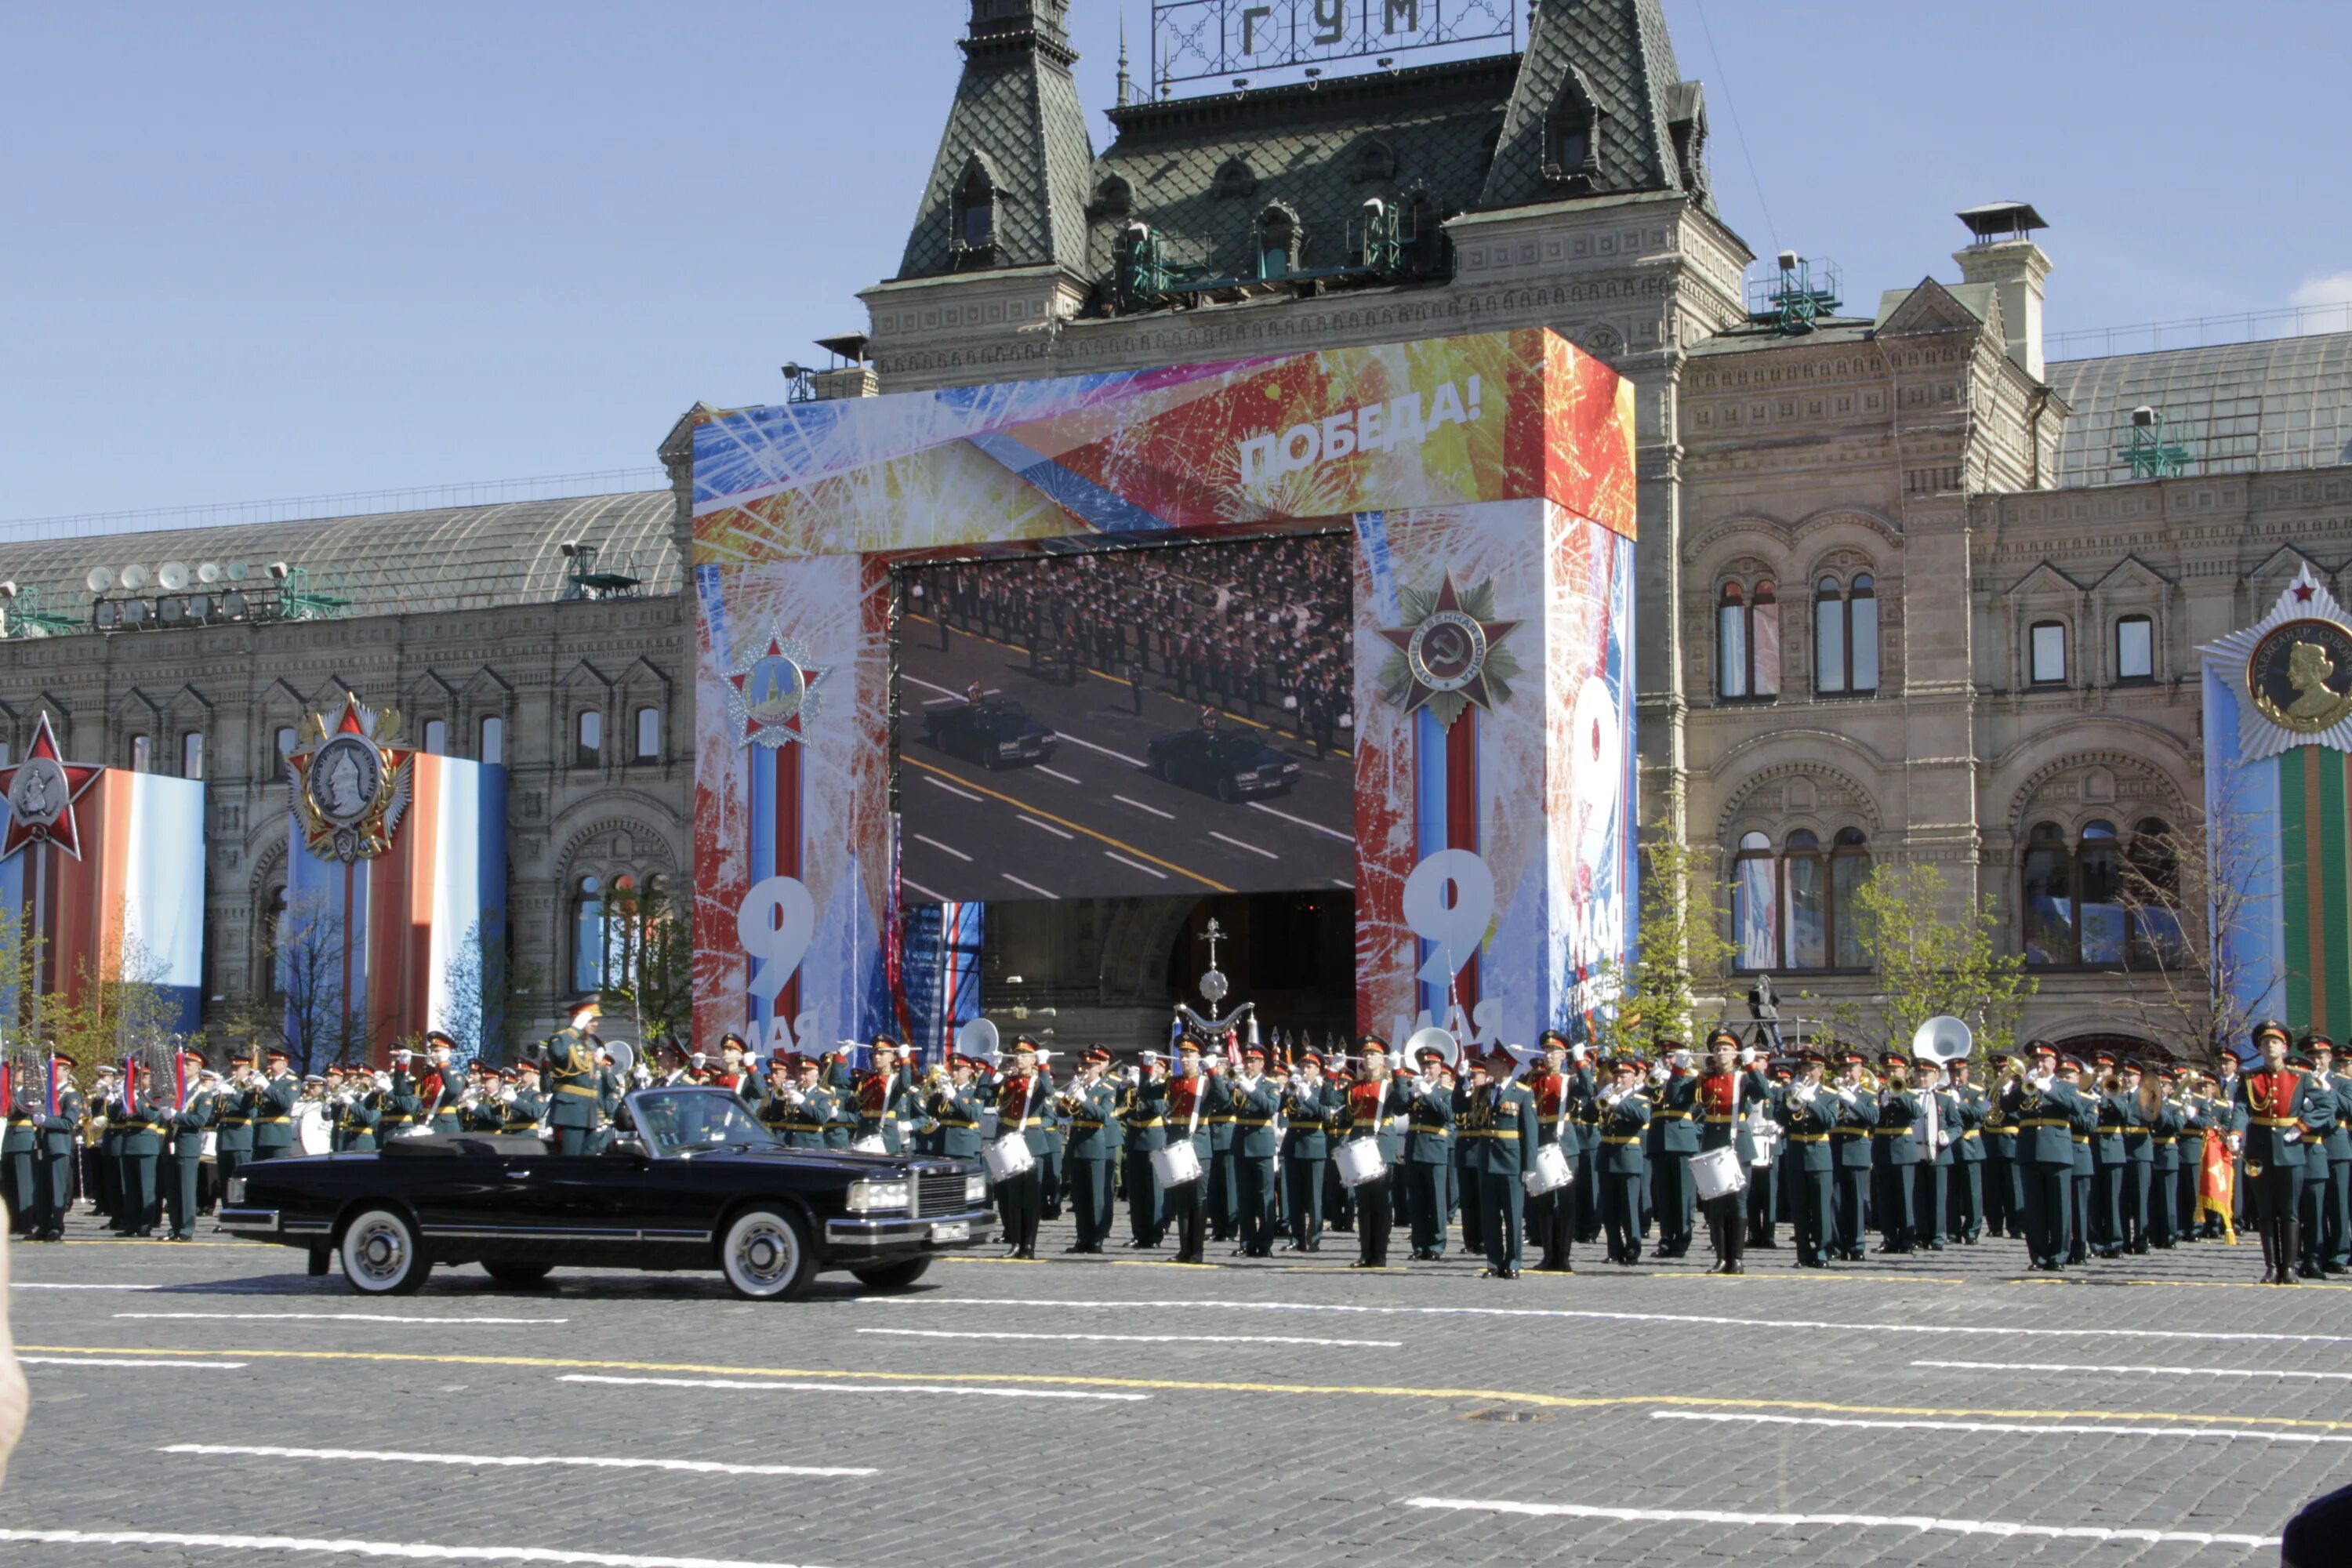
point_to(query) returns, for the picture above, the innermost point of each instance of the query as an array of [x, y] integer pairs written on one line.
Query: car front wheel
[[1226, 789], [892, 1276], [380, 1257], [766, 1255]]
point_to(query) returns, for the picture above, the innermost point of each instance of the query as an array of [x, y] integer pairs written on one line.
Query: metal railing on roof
[[2201, 332]]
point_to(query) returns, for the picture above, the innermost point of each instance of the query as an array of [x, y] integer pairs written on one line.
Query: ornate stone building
[[1904, 598]]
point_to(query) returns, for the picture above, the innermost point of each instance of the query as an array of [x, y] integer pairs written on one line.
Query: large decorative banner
[[2278, 799], [395, 891], [1487, 484], [107, 869]]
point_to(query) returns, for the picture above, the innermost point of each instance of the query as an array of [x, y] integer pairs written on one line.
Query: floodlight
[[208, 572], [278, 570], [97, 580], [135, 577]]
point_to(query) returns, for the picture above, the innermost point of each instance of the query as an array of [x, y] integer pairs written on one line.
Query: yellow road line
[[1078, 826], [1371, 1391]]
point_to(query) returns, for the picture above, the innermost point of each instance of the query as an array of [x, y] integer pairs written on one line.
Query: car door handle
[[518, 1175]]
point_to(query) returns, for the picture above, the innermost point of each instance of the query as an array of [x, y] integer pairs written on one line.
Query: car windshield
[[681, 1120], [1237, 748]]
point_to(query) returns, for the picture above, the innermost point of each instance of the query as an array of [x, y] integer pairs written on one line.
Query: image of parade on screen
[[1142, 722]]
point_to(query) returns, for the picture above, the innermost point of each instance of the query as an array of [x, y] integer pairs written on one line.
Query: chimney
[[2005, 256]]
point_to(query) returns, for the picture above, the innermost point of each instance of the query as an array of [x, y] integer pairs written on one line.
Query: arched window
[[2135, 648], [1849, 868], [1277, 243], [2099, 873], [975, 209], [436, 736], [1747, 641], [143, 753], [2047, 896], [1795, 910], [588, 749], [648, 728], [493, 750], [588, 935], [1862, 633], [2046, 653], [1755, 903], [192, 755], [1807, 907]]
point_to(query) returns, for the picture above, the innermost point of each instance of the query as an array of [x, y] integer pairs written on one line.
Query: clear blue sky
[[263, 250]]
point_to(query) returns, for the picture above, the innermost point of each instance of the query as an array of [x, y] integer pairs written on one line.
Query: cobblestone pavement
[[1123, 1410]]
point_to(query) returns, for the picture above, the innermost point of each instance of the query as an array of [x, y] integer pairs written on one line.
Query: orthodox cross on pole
[[1212, 935]]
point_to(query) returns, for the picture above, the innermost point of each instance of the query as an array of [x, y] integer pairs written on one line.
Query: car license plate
[[956, 1230]]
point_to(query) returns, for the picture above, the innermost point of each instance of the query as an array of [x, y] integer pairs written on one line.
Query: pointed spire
[[1125, 83]]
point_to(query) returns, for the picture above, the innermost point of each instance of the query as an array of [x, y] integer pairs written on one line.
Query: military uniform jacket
[[357, 1120], [2164, 1136], [1309, 1112], [1222, 1123], [573, 1081], [1366, 1106], [1719, 1099], [2138, 1129], [56, 1132], [2339, 1133], [2228, 1104], [140, 1124], [2114, 1115], [1023, 1105], [1187, 1103], [1850, 1136], [1809, 1121], [1254, 1106], [1498, 1130], [881, 1101], [188, 1124], [20, 1137], [1967, 1126], [273, 1112], [1895, 1140], [1673, 1115], [524, 1113], [1142, 1115], [2321, 1126], [1559, 1099], [1094, 1124], [2045, 1119], [2000, 1138], [1622, 1129], [2269, 1105], [1429, 1127]]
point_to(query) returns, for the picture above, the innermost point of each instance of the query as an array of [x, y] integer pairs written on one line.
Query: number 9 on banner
[[774, 924], [1448, 901]]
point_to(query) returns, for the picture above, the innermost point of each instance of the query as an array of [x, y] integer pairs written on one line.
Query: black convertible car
[[996, 734], [1231, 767], [696, 1182]]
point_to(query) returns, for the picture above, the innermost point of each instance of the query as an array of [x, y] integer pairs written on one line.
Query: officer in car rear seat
[[575, 1109]]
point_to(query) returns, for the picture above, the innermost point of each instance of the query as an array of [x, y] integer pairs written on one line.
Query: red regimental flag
[[2217, 1179]]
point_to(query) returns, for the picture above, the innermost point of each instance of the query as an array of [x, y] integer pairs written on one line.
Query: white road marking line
[[472, 1461], [2009, 1428], [2146, 1370], [340, 1547], [936, 783], [944, 848], [940, 702], [767, 1386], [1181, 1304], [1044, 827], [1130, 800], [1136, 1339], [1106, 750], [334, 1318], [904, 880], [1055, 773], [1921, 1523], [1316, 827], [95, 1361], [933, 685], [1239, 845], [1343, 882], [1031, 886], [1150, 870], [43, 1285]]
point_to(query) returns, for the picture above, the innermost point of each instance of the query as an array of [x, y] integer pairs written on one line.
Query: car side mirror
[[631, 1147]]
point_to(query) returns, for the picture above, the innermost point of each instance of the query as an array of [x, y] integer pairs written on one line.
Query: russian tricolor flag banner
[[107, 869]]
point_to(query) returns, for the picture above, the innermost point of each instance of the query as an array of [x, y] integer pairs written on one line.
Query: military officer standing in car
[[574, 1109]]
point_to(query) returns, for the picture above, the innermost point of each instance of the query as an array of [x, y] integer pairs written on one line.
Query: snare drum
[[1006, 1157], [1360, 1161], [1176, 1164], [1717, 1173], [1552, 1171]]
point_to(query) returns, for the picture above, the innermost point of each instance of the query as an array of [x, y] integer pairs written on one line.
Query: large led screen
[[1141, 721]]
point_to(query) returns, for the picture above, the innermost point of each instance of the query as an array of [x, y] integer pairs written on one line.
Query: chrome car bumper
[[247, 1219], [899, 1232]]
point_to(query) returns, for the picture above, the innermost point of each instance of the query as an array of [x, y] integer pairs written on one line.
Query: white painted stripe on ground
[[43, 1285], [1148, 871], [477, 1461], [96, 1361], [936, 783], [334, 1318], [1044, 827], [1180, 1304], [1239, 845], [1134, 1338], [772, 1385], [1055, 773], [2293, 1373], [1032, 887], [908, 881], [944, 848], [342, 1547], [1316, 827], [940, 702], [1130, 800], [1918, 1523], [1106, 750], [2010, 1428]]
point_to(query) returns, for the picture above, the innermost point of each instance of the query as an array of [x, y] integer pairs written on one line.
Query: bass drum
[[312, 1134]]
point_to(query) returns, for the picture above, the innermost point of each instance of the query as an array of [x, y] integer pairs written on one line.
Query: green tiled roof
[[1614, 56]]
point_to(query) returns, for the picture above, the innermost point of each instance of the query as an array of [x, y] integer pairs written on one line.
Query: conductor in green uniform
[[574, 1107]]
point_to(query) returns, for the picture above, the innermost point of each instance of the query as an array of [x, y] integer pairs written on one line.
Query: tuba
[[977, 1039], [1942, 1040]]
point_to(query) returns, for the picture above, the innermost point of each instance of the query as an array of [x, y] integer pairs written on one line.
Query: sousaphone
[[1943, 1039]]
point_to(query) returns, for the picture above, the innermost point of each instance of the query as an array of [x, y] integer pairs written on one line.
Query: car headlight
[[975, 1187], [236, 1189], [1008, 745], [868, 1197]]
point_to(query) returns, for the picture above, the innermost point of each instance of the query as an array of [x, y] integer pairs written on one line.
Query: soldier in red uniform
[[2270, 1103], [1733, 1079], [1551, 1216]]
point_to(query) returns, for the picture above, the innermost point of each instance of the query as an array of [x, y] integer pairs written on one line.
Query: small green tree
[[1929, 965], [1680, 946]]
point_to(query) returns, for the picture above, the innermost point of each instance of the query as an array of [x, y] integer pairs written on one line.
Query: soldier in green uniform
[[1558, 1090], [2106, 1212], [56, 1127], [800, 1108], [186, 1157], [1255, 1101], [1674, 1139], [357, 1114], [1623, 1108], [2318, 1119], [2164, 1162], [144, 1118], [1462, 1179], [1893, 1152], [1429, 1153], [957, 1106], [2080, 1190], [1373, 1108], [1307, 1106], [2004, 1192], [397, 1103], [273, 1107], [1809, 1114], [16, 1150], [1965, 1220], [2041, 1108], [526, 1106], [575, 1107], [1224, 1181], [1143, 1130], [1850, 1149], [2336, 1202], [1732, 1082], [2136, 1096], [1938, 1131], [1505, 1127], [881, 1096], [1094, 1128]]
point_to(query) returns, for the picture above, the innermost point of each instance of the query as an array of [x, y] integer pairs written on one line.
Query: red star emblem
[[2303, 593], [1446, 656], [41, 791], [773, 691]]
